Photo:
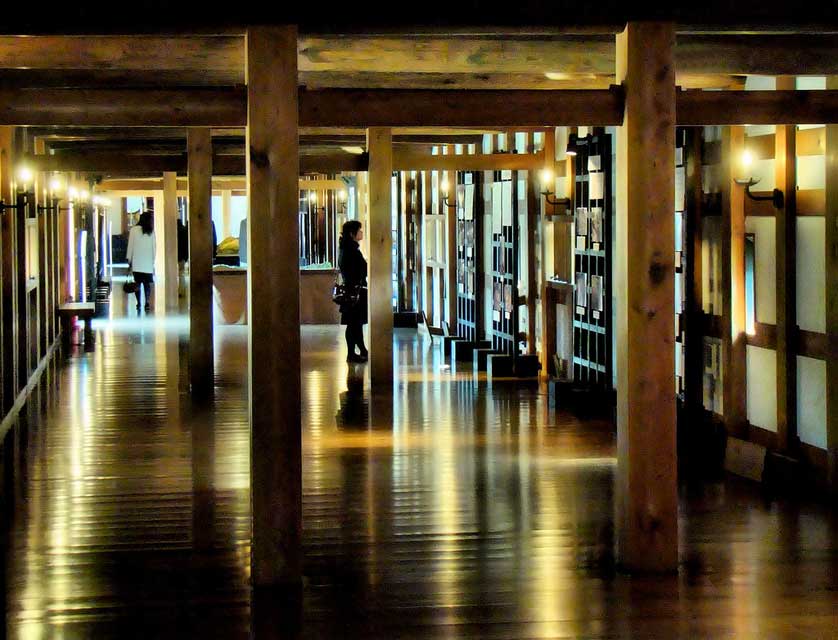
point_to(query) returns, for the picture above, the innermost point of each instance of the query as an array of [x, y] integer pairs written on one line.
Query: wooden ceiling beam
[[123, 107], [411, 108], [119, 164], [349, 108], [697, 108]]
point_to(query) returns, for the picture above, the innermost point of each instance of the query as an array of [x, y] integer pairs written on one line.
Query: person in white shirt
[[141, 256]]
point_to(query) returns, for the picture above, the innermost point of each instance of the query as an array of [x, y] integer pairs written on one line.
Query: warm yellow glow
[[25, 175], [84, 195], [354, 150], [312, 197], [342, 195], [546, 177], [56, 184], [444, 185], [557, 75], [747, 159], [73, 193]]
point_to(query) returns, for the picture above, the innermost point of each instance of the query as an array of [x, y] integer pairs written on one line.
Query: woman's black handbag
[[129, 286], [343, 294]]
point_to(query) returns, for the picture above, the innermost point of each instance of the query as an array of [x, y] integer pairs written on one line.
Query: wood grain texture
[[201, 376], [647, 500], [733, 281], [428, 108], [380, 149], [274, 306], [696, 108], [123, 107]]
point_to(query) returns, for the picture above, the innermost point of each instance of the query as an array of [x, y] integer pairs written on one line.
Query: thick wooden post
[[548, 331], [647, 497], [169, 228], [7, 256], [199, 150], [785, 169], [274, 305], [831, 223], [380, 147], [694, 367], [733, 282]]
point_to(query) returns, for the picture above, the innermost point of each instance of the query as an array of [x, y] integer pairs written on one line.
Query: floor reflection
[[447, 508]]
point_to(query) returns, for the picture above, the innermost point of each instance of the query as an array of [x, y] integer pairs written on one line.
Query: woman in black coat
[[353, 268]]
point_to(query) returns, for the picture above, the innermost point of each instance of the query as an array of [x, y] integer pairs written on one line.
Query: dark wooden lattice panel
[[592, 352], [469, 254], [681, 258]]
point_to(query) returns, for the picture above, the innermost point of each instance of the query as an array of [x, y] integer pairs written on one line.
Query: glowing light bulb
[[747, 159], [55, 184], [312, 197], [25, 175], [444, 185], [546, 177], [73, 193], [342, 195]]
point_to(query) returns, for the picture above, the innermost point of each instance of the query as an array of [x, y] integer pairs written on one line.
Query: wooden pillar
[[169, 228], [380, 148], [785, 171], [199, 149], [548, 329], [647, 497], [7, 255], [694, 351], [733, 283], [831, 241], [274, 305]]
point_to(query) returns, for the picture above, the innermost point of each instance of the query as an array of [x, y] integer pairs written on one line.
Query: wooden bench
[[82, 310]]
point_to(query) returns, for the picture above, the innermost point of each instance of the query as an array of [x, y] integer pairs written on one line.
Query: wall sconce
[[25, 176], [342, 200], [444, 186], [547, 178], [570, 150], [312, 199], [776, 196]]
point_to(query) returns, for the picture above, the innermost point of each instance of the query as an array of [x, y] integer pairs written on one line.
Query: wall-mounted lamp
[[547, 178], [444, 186], [776, 196], [312, 199], [342, 200], [25, 176], [570, 150]]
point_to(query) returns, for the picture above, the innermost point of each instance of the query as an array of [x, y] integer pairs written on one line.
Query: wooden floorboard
[[454, 510]]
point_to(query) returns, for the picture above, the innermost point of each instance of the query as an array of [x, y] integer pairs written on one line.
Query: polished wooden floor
[[453, 510]]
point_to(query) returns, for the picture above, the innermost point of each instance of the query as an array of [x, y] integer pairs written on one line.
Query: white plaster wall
[[811, 401], [764, 230], [811, 172], [811, 281], [762, 387]]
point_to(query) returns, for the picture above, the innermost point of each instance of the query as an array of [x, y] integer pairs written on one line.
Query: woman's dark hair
[[350, 228], [146, 222]]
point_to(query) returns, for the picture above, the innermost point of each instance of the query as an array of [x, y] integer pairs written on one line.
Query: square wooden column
[[169, 227], [734, 338], [199, 151], [7, 266], [785, 171], [647, 496], [380, 148], [831, 241], [274, 305]]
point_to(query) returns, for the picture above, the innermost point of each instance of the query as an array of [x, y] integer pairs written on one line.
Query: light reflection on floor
[[444, 507]]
